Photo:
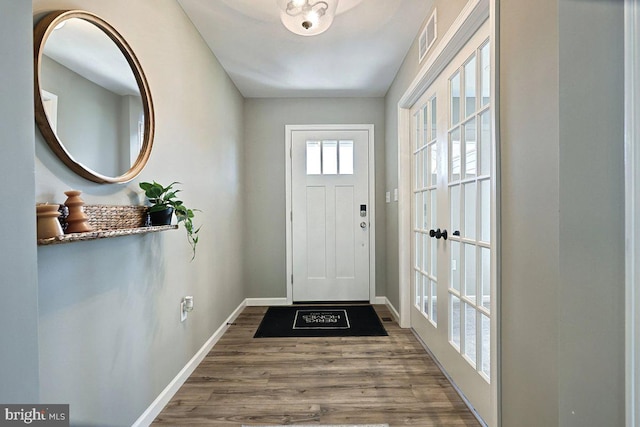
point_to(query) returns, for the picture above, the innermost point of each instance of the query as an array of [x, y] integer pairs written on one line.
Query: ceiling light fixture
[[307, 17]]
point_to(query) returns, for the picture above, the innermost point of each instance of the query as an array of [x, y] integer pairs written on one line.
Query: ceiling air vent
[[427, 36]]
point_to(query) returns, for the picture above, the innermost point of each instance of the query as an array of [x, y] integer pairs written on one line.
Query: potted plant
[[164, 204]]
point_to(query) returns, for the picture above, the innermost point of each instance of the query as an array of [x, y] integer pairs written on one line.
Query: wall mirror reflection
[[93, 104]]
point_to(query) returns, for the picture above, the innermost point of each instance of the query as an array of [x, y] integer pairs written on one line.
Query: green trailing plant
[[162, 198]]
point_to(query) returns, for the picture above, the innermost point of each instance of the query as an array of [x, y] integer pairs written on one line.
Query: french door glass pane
[[433, 155], [433, 119], [418, 286], [425, 295], [434, 256], [470, 149], [426, 261], [425, 125], [434, 209], [434, 300], [454, 332], [485, 210], [418, 253], [454, 207], [470, 272], [455, 98], [418, 210], [470, 332], [485, 276], [470, 210], [417, 140], [485, 143], [470, 87], [485, 324], [454, 157], [426, 168], [426, 203], [485, 69], [419, 167], [455, 265]]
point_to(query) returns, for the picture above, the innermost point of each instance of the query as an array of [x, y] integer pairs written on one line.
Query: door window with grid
[[470, 208], [425, 181]]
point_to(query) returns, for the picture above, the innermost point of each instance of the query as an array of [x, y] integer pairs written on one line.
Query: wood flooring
[[349, 380]]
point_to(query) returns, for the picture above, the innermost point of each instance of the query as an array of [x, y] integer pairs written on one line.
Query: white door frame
[[372, 201], [632, 209], [470, 19]]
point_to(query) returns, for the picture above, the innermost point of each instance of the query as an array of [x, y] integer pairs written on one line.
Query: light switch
[[387, 196], [395, 194]]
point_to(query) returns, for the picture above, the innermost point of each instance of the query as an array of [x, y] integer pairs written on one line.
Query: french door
[[453, 220]]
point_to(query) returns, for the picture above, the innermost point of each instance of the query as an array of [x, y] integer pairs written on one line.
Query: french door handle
[[438, 234]]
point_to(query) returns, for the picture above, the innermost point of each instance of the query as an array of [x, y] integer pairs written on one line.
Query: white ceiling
[[359, 55]]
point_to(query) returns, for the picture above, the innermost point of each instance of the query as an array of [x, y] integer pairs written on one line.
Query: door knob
[[363, 225], [439, 234]]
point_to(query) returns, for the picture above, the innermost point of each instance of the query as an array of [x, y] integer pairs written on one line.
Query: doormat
[[320, 321]]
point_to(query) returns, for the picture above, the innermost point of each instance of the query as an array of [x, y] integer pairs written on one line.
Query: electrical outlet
[[183, 312], [186, 305]]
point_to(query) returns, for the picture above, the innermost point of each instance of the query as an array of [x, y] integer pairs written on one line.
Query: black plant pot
[[161, 217]]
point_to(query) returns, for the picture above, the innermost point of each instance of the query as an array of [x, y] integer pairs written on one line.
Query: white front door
[[453, 250], [330, 215]]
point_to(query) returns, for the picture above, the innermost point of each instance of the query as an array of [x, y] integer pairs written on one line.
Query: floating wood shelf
[[102, 234], [110, 221]]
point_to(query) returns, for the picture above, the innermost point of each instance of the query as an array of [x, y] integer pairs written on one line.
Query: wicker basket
[[111, 217]]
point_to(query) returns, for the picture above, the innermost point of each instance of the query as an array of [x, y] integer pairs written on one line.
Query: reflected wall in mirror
[[93, 104]]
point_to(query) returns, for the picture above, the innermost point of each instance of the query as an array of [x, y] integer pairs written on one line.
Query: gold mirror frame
[[42, 30]]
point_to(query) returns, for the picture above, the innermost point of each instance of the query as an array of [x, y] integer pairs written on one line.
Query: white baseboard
[[259, 302], [170, 390], [392, 309], [379, 300], [394, 312]]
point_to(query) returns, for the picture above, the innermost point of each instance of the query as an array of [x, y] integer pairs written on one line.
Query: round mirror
[[92, 100]]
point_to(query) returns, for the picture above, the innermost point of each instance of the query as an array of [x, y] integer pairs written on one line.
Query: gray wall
[[562, 213], [265, 119], [591, 242], [18, 278], [529, 144], [88, 121], [110, 335]]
